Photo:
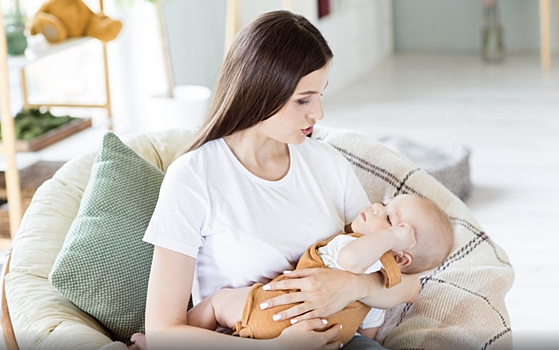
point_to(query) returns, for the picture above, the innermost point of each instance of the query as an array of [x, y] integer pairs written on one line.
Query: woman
[[251, 192]]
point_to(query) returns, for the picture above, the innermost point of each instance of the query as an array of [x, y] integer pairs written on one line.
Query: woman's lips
[[307, 131]]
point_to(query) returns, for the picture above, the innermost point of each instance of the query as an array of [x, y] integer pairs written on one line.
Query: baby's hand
[[404, 237], [138, 342]]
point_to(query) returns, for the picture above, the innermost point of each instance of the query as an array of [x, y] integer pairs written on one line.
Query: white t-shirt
[[329, 255], [242, 229]]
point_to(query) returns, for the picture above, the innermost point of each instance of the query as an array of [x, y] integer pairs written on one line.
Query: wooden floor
[[508, 115]]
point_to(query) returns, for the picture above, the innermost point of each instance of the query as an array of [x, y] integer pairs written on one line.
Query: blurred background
[[362, 33]]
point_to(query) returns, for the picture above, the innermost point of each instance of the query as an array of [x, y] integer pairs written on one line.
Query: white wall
[[195, 32], [360, 35], [455, 25], [359, 32]]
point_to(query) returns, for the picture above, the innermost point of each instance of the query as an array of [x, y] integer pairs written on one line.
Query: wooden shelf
[[52, 136], [31, 56], [31, 178], [10, 146]]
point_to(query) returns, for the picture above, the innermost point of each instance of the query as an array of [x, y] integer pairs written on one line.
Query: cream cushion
[[41, 317], [471, 283]]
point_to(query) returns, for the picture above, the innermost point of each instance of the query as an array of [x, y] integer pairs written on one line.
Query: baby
[[408, 231]]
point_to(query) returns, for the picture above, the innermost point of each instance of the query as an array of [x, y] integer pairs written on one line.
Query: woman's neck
[[264, 157]]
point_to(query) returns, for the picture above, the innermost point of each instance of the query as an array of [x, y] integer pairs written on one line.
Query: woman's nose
[[317, 113]]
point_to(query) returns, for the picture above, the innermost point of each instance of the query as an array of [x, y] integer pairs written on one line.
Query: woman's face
[[296, 119]]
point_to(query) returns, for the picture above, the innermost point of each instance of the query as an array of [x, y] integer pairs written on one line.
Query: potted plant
[[35, 129]]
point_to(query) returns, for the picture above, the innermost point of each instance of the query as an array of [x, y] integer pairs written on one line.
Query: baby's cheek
[[375, 225]]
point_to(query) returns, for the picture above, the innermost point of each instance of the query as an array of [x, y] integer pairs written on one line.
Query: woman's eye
[[303, 102]]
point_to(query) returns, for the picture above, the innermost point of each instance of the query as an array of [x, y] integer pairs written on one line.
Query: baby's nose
[[378, 208]]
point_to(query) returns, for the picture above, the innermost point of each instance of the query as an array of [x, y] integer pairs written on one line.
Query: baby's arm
[[363, 252], [358, 255], [369, 332], [223, 308]]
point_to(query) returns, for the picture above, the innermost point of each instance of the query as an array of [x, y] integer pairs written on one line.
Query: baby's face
[[401, 209]]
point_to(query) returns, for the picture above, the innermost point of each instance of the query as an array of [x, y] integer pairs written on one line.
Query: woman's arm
[[166, 318], [324, 292], [369, 332], [379, 297]]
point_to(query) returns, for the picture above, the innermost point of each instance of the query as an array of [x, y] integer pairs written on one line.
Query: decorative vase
[[16, 41], [492, 34]]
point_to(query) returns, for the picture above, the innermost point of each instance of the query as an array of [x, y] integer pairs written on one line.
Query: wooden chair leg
[[288, 5], [8, 150], [231, 22], [232, 19], [5, 320], [545, 34]]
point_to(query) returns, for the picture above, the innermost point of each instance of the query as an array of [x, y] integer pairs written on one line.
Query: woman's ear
[[402, 258]]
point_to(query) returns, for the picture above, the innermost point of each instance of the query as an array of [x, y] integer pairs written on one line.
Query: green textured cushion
[[103, 267]]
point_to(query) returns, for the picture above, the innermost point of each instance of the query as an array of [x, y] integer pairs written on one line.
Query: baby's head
[[433, 230], [434, 237]]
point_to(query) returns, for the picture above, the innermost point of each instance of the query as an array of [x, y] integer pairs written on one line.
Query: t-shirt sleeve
[[181, 209]]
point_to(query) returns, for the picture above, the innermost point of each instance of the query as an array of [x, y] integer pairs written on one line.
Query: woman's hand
[[303, 335], [322, 292]]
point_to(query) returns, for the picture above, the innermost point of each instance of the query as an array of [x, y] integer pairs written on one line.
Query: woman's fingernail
[[341, 326], [287, 272], [325, 321], [294, 320], [276, 317], [341, 346], [264, 306], [266, 287]]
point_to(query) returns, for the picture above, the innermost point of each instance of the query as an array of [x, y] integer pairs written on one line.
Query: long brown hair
[[260, 73]]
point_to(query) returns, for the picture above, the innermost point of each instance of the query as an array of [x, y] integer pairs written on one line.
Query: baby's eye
[[388, 219], [303, 102]]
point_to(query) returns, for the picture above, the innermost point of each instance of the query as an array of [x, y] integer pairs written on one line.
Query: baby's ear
[[402, 258]]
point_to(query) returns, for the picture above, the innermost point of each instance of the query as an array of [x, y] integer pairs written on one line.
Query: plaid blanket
[[462, 302]]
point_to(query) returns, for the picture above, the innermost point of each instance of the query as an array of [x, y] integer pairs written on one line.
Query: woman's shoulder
[[320, 149], [207, 151], [207, 155], [314, 144]]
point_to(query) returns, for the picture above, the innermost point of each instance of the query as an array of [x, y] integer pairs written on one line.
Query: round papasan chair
[[76, 274]]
